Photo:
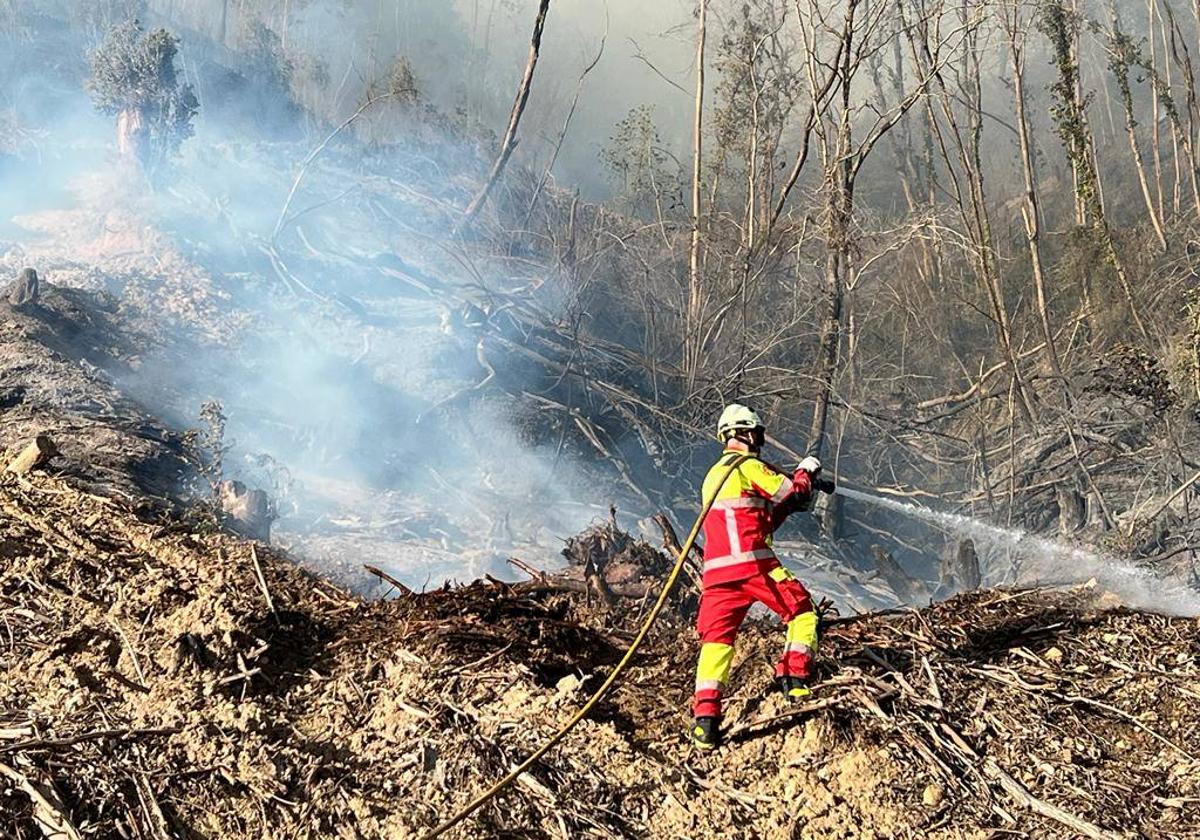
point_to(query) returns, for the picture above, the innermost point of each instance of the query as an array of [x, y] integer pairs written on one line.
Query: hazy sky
[[362, 37], [660, 31]]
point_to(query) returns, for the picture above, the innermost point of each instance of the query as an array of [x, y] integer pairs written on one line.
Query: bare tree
[[961, 151], [1060, 25], [1122, 55], [861, 29], [509, 143], [694, 315], [1031, 211]]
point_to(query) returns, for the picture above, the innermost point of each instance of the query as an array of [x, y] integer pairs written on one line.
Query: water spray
[[1048, 561]]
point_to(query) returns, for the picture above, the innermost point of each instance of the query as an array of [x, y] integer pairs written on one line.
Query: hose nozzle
[[825, 485]]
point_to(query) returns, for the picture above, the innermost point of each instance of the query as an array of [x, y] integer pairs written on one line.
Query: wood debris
[[160, 682]]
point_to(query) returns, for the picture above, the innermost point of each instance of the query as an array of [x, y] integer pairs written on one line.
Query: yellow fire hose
[[612, 677]]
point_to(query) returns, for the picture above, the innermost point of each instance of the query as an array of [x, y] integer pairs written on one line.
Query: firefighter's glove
[[805, 479], [810, 465]]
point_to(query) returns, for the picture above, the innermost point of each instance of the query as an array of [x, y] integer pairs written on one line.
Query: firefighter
[[740, 568]]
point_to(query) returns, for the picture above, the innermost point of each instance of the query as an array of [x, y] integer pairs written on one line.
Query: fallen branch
[[371, 100], [48, 810], [384, 576], [1179, 491], [98, 735], [671, 543], [262, 581], [1025, 799]]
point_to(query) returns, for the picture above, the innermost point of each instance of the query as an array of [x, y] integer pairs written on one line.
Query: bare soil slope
[[158, 682]]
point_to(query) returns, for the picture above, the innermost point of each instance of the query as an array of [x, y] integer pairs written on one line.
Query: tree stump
[[40, 451], [1072, 508], [24, 291], [960, 569], [247, 512]]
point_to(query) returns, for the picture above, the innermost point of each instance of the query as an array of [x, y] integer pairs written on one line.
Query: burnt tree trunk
[[132, 135], [514, 120], [827, 353], [832, 517], [1072, 508], [841, 169]]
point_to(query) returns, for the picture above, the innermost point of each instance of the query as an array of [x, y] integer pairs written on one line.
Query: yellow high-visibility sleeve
[[765, 482], [752, 478]]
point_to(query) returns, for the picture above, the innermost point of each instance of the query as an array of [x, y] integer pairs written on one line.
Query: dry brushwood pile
[[162, 682]]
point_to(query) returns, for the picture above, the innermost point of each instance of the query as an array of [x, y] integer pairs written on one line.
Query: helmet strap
[[752, 438], [757, 438]]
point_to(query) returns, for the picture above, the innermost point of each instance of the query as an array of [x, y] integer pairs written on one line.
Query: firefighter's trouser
[[723, 607]]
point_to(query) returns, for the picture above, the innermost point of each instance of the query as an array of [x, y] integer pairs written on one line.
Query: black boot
[[706, 733], [794, 689]]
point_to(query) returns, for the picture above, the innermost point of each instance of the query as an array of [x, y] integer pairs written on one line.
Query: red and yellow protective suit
[[740, 568]]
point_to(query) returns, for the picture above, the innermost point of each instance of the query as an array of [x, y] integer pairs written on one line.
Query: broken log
[[39, 452], [384, 576]]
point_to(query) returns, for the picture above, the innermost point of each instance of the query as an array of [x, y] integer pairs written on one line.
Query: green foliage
[[1059, 26], [403, 117], [1123, 54], [204, 449], [264, 53], [133, 73], [635, 158], [756, 83], [1166, 100], [1192, 299], [402, 82]]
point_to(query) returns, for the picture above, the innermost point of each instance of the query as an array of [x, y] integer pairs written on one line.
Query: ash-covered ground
[[359, 420]]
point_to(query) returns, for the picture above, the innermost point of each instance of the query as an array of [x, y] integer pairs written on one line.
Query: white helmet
[[734, 418]]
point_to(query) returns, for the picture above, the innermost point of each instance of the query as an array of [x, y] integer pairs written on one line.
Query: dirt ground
[[160, 681]]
